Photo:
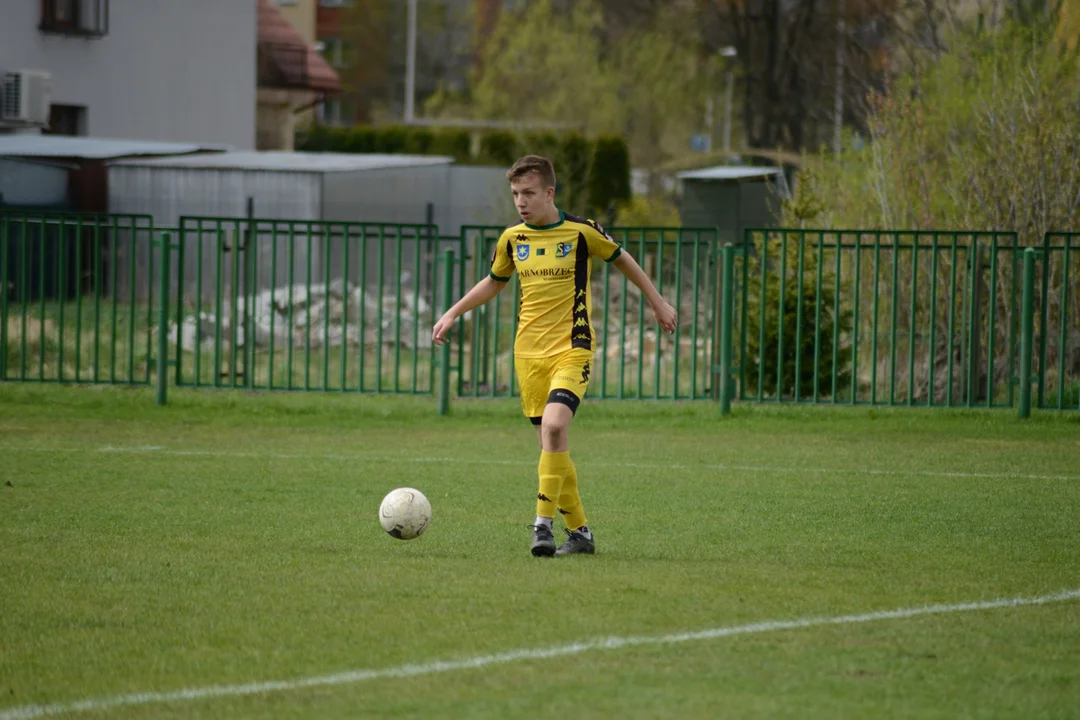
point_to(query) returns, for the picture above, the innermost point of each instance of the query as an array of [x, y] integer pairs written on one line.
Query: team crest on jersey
[[522, 252], [563, 249]]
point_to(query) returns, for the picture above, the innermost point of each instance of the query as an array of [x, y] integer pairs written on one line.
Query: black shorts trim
[[536, 420], [564, 397]]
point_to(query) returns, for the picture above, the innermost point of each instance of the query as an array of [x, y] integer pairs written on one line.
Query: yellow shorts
[[543, 380]]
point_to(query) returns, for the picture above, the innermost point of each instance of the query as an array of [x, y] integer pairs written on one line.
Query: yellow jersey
[[553, 263]]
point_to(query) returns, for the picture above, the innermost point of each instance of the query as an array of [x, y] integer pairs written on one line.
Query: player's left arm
[[603, 245]]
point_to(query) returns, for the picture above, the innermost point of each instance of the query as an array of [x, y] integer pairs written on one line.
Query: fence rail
[[76, 297], [915, 318], [306, 305], [898, 318], [1058, 330]]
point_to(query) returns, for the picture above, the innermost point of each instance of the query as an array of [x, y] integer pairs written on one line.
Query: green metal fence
[[632, 358], [306, 305], [926, 318], [76, 296], [1057, 333], [892, 318]]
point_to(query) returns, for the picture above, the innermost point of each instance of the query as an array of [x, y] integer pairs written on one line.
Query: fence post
[[163, 322], [726, 313], [4, 290], [1027, 330], [444, 351]]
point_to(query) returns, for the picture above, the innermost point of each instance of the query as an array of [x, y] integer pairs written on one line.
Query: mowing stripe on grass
[[160, 450], [148, 449], [27, 712]]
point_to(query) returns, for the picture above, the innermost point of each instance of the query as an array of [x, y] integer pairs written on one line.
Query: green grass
[[261, 558]]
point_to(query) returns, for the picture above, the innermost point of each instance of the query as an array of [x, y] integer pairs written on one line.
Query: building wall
[[459, 195], [301, 15], [166, 70]]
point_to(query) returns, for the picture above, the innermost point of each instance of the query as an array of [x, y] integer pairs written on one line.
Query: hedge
[[593, 176]]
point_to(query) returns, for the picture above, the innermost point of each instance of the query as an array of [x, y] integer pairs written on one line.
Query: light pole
[[838, 98], [410, 65], [730, 53]]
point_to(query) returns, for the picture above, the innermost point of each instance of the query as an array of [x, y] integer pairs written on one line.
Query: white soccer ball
[[405, 513]]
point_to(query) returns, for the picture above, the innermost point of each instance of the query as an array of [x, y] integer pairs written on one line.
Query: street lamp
[[729, 52]]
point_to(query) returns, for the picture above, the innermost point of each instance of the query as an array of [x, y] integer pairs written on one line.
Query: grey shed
[[731, 198]]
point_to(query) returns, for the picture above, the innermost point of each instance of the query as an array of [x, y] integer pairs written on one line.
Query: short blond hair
[[533, 164]]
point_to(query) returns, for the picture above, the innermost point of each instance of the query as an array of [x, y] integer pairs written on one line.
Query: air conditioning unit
[[25, 96]]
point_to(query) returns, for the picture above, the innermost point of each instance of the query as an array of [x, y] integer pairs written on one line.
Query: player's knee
[[554, 431]]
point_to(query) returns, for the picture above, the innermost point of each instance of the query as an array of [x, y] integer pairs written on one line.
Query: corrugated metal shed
[[306, 186], [303, 186], [62, 146], [290, 161]]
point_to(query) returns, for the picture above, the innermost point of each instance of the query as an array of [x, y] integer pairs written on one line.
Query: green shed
[[731, 198]]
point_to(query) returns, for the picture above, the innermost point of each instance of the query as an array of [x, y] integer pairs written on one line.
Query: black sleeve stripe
[[499, 279], [615, 255]]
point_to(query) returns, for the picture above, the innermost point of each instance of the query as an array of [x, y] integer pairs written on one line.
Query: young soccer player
[[552, 253]]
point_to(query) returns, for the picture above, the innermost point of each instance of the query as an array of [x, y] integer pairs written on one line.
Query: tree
[[787, 55], [376, 31], [560, 65], [544, 66], [985, 138]]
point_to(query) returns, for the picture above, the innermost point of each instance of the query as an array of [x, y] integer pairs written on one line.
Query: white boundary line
[[351, 677], [159, 450]]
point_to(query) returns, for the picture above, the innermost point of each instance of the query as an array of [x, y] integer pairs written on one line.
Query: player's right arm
[[502, 266], [483, 291]]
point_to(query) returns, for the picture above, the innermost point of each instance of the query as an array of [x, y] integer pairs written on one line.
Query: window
[[285, 2], [66, 120], [75, 17], [336, 51], [335, 3]]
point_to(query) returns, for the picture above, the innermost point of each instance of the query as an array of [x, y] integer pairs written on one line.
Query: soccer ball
[[405, 513]]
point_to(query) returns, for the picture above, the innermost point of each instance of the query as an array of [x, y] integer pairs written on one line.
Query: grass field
[[220, 557]]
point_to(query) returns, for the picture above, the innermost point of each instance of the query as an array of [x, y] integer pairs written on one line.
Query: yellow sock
[[569, 500], [553, 468]]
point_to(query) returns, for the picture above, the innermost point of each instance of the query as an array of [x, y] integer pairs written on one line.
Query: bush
[[544, 145], [499, 148], [455, 143], [773, 382], [572, 169], [391, 140], [609, 176], [419, 141], [314, 139], [649, 211], [360, 139]]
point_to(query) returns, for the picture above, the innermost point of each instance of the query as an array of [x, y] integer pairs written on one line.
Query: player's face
[[531, 198]]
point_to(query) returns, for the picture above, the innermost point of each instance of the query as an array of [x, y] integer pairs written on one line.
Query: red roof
[[287, 59]]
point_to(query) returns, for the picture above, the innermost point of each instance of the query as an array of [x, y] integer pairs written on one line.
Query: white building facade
[[167, 70]]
